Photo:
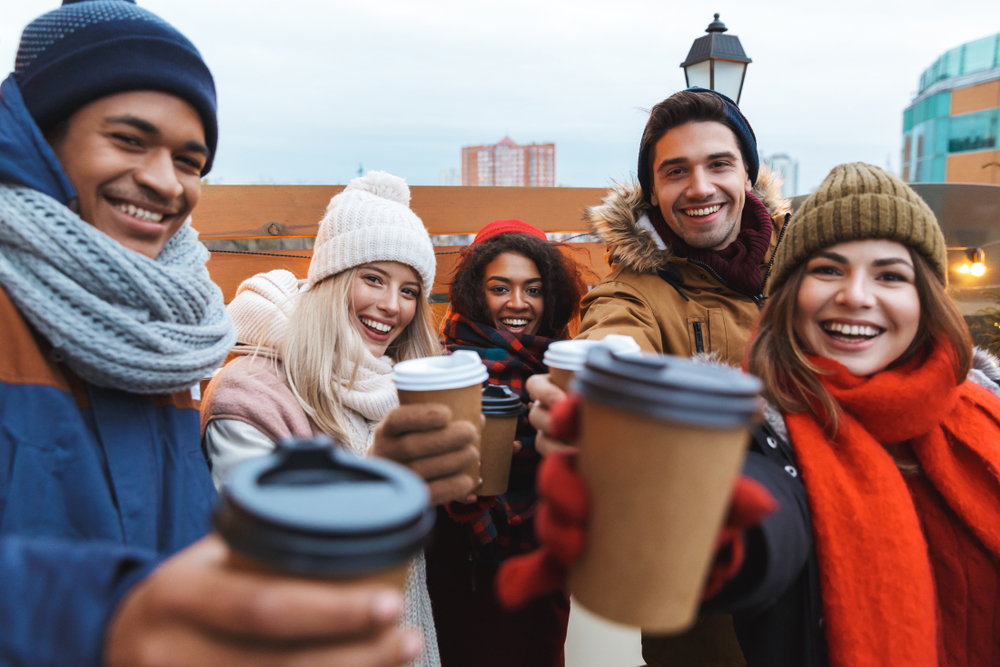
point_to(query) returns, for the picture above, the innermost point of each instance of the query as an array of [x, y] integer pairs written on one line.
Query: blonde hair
[[792, 382], [322, 350]]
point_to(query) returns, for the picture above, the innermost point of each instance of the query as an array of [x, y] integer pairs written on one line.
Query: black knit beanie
[[89, 49]]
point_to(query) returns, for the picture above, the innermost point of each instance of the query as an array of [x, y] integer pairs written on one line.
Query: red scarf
[[878, 589]]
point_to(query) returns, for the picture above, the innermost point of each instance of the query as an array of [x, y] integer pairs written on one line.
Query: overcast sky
[[309, 90]]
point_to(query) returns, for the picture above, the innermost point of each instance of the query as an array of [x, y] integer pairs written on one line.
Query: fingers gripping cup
[[455, 380], [501, 407], [315, 510], [565, 358], [662, 440]]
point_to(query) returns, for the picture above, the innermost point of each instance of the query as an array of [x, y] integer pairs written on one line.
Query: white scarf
[[117, 318]]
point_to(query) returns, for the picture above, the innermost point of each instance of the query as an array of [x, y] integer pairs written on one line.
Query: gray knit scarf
[[116, 317]]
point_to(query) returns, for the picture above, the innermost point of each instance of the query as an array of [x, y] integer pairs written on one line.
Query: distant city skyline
[[507, 163]]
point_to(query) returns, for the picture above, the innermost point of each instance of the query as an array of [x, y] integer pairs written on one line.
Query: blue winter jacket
[[96, 485]]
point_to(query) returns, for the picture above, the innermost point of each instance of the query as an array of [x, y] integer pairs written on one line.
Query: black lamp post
[[717, 61]]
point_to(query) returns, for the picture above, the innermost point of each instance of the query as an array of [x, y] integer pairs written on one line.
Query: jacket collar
[[622, 223], [25, 157]]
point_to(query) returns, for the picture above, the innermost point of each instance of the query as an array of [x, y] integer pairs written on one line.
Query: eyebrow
[[889, 261], [146, 127], [840, 259], [508, 280], [682, 160]]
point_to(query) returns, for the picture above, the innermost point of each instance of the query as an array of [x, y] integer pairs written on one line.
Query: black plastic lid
[[315, 509], [500, 401], [669, 387]]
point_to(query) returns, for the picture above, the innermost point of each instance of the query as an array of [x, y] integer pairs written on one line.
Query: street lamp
[[975, 262], [717, 61]]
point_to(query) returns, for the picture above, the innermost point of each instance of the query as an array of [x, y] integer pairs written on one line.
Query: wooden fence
[[236, 212]]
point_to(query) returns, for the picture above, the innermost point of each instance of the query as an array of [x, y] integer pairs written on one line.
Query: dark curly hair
[[562, 283]]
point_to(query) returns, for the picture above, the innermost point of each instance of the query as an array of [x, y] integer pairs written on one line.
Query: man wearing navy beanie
[[107, 126], [690, 245]]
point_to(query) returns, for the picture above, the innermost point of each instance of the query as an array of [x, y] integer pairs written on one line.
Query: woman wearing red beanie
[[881, 445], [513, 293]]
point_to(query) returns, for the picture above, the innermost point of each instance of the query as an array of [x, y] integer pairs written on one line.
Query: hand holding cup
[[424, 438]]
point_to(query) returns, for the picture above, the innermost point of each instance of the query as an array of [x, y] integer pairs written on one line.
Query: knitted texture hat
[[498, 227], [371, 221], [860, 201], [262, 307], [735, 121], [89, 49]]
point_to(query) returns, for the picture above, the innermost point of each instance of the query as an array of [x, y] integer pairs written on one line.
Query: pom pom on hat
[[371, 221], [498, 227]]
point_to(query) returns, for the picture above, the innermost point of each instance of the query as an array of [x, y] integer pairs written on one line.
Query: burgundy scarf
[[739, 262]]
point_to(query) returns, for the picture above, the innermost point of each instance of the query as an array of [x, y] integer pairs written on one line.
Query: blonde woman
[[315, 357]]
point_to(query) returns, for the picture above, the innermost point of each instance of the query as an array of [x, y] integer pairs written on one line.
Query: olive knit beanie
[[859, 201]]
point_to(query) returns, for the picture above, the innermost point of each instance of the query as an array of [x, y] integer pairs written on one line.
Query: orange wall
[[968, 167], [975, 98]]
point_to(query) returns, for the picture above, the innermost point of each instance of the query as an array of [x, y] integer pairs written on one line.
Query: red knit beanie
[[498, 227]]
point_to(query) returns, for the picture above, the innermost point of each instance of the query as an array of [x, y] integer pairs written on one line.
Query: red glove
[[560, 526], [564, 424], [750, 504]]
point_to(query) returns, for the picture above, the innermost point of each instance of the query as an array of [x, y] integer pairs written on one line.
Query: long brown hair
[[792, 382]]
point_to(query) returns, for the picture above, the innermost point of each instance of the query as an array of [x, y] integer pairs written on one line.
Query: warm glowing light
[[977, 269], [964, 268]]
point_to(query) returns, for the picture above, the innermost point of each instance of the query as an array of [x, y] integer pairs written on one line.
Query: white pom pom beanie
[[371, 221]]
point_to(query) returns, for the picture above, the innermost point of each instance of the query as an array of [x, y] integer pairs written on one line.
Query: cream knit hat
[[371, 221], [261, 309]]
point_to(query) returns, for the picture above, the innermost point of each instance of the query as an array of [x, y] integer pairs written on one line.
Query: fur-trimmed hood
[[621, 222]]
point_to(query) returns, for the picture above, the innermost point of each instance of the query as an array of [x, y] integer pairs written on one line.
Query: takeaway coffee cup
[[565, 358], [455, 380], [661, 441], [315, 510], [501, 407]]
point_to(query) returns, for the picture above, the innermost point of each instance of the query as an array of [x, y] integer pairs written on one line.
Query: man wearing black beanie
[[107, 126], [691, 246]]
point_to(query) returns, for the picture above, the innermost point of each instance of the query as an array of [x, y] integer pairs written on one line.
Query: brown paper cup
[[466, 404], [659, 491], [394, 577], [561, 377], [496, 451]]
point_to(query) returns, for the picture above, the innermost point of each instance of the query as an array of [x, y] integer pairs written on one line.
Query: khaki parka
[[643, 298]]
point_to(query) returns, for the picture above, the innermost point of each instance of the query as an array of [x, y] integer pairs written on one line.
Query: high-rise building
[[950, 129], [507, 163], [788, 167]]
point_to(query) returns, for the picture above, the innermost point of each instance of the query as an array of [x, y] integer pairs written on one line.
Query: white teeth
[[514, 323], [378, 326], [140, 213], [852, 329], [699, 212]]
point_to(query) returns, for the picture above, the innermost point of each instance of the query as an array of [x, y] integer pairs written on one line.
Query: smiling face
[[858, 305], [514, 295], [700, 183], [383, 300], [135, 160]]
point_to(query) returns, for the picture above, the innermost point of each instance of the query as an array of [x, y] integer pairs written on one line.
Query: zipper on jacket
[[781, 234], [699, 342]]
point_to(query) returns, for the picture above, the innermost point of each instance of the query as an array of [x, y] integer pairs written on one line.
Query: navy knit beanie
[[89, 49], [735, 121]]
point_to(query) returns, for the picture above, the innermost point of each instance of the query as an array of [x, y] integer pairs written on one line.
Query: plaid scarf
[[502, 525]]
